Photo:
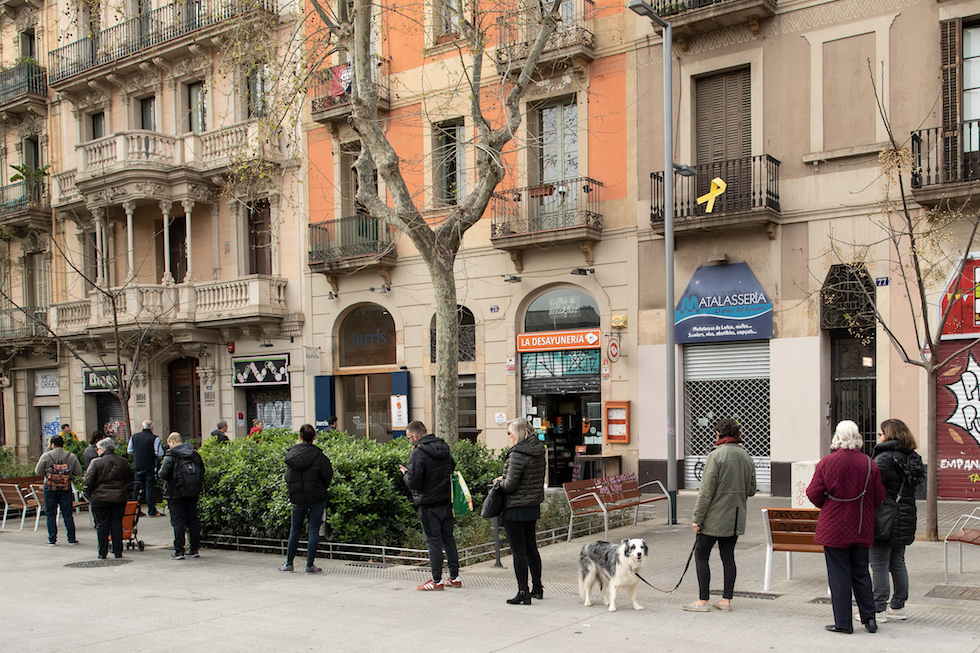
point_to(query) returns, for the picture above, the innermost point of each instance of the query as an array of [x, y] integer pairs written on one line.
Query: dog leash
[[683, 573]]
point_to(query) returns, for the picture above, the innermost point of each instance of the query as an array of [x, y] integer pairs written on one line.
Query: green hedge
[[368, 503]]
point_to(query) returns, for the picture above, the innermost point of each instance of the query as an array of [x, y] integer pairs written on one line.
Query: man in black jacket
[[183, 474], [308, 476], [146, 450], [428, 476]]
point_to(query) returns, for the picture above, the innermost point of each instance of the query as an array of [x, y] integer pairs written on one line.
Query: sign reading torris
[[723, 303]]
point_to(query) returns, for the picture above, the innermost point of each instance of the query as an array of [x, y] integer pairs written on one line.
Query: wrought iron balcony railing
[[548, 207], [356, 236], [153, 28], [27, 78], [22, 196], [943, 155], [331, 87], [26, 322], [753, 183], [673, 7], [575, 30]]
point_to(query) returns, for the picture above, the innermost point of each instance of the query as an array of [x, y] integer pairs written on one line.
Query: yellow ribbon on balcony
[[717, 188]]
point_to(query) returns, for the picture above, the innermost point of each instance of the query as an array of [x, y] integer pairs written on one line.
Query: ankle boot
[[522, 598], [537, 592]]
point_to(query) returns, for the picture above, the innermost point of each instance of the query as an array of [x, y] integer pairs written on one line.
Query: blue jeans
[[146, 479], [54, 499], [887, 559], [300, 513]]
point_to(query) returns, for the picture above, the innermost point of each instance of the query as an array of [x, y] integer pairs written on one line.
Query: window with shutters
[[554, 133], [259, 238], [450, 163], [960, 46], [724, 136], [37, 276]]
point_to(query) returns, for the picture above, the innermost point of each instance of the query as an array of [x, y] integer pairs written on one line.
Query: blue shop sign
[[723, 303]]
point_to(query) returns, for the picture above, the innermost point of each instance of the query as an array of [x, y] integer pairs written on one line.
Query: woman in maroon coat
[[847, 487]]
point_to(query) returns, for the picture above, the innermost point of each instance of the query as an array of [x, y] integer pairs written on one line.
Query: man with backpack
[[58, 466], [183, 474]]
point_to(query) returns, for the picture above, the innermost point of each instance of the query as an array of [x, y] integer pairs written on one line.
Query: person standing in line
[[58, 466], [719, 514], [332, 424], [91, 451], [308, 477], [221, 432], [847, 487], [107, 482], [182, 471], [428, 476], [901, 472], [257, 426], [147, 451], [523, 483], [67, 433]]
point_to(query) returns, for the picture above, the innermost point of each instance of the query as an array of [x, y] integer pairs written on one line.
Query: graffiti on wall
[[958, 423]]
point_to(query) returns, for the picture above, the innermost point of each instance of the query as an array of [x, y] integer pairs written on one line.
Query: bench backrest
[[792, 527], [610, 490], [22, 481], [14, 497]]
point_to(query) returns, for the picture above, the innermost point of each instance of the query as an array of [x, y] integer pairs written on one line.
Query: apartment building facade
[[167, 215]]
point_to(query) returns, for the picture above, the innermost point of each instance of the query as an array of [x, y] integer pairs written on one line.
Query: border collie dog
[[611, 566]]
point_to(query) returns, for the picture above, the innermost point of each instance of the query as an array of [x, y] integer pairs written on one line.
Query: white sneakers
[[896, 614]]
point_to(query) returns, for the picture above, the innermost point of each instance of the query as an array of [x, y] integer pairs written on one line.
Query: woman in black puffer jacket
[[523, 483], [901, 471]]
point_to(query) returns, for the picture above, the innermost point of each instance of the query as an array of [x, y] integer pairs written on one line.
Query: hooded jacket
[[845, 474], [170, 461], [429, 469], [523, 477], [896, 463], [108, 479], [727, 482], [308, 474]]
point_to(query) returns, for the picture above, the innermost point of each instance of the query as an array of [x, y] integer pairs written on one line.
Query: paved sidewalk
[[231, 601]]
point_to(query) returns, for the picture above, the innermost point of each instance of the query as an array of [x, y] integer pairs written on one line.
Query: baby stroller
[[131, 517]]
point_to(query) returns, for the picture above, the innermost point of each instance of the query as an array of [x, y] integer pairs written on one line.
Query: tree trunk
[[446, 400], [932, 489]]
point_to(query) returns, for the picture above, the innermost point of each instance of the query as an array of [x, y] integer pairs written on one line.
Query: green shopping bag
[[462, 501]]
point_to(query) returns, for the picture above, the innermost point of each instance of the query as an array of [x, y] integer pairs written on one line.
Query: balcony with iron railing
[[751, 196], [330, 99], [20, 323], [24, 87], [556, 213], [946, 163], [689, 18], [573, 37], [172, 26], [351, 243], [25, 203], [228, 302]]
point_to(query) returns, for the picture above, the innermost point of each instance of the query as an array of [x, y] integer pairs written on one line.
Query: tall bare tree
[[349, 25]]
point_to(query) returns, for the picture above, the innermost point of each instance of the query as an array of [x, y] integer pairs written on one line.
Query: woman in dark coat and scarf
[[901, 471], [523, 483]]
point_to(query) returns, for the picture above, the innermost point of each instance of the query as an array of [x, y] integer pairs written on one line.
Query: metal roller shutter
[[726, 380]]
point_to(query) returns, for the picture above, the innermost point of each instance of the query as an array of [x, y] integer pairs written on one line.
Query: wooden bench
[[609, 493], [966, 530], [15, 498], [790, 530]]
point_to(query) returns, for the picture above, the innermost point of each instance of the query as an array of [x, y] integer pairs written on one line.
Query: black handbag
[[494, 504], [885, 515]]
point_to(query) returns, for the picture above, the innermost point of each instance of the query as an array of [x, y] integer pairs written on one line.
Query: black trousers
[[726, 549], [437, 524], [524, 545], [847, 572], [183, 517], [108, 521]]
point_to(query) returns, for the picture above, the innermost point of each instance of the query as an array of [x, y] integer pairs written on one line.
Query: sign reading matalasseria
[[723, 303]]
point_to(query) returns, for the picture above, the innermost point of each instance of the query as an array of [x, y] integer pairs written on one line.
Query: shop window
[[564, 308], [365, 407], [367, 337]]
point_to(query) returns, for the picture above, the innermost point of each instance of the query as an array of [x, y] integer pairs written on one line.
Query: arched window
[[367, 337], [467, 335], [847, 298], [563, 308]]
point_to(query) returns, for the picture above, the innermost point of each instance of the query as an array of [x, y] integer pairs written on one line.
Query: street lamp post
[[644, 9]]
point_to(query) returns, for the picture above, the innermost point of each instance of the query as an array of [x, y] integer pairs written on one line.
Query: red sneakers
[[454, 582], [431, 586]]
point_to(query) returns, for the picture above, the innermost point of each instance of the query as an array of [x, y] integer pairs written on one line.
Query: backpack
[[187, 478], [58, 476]]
